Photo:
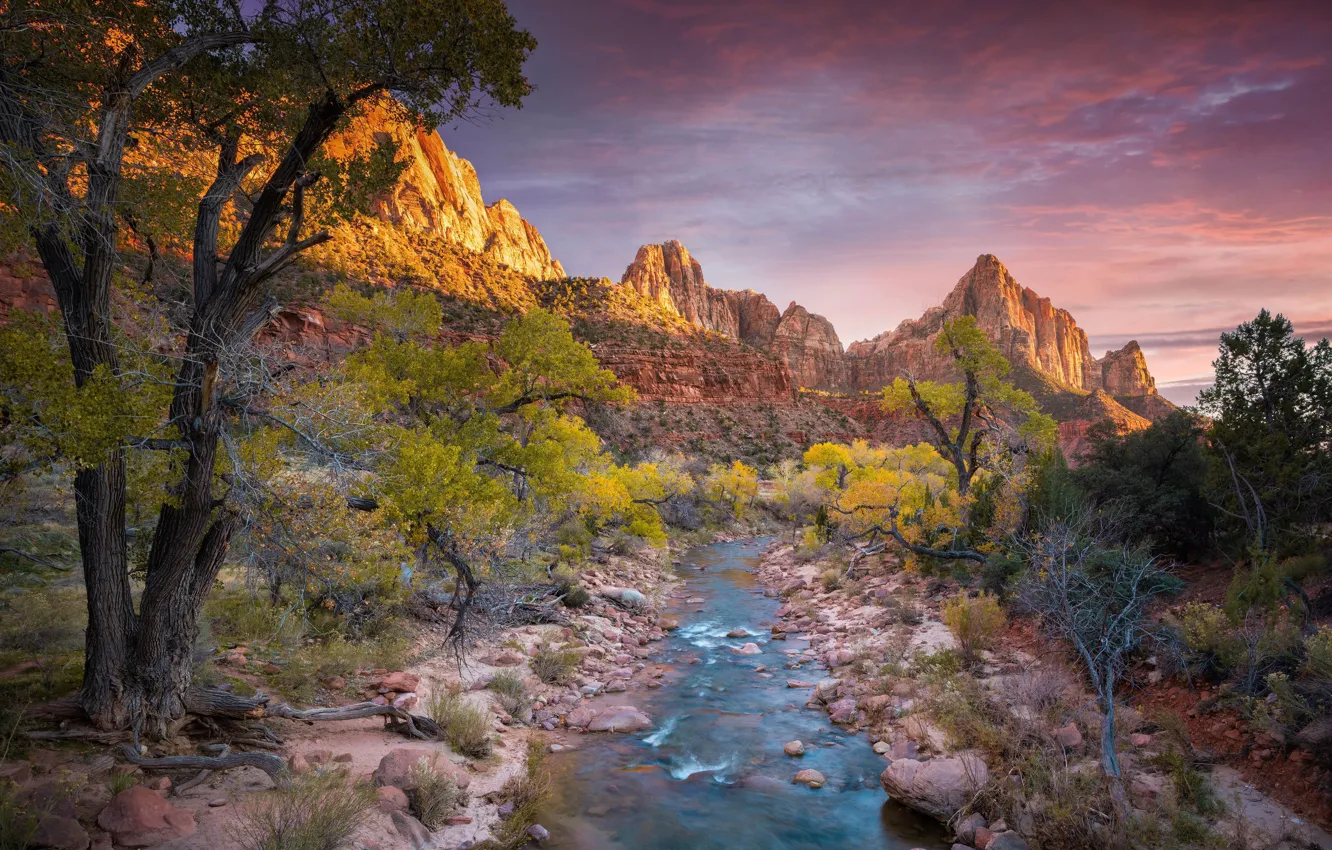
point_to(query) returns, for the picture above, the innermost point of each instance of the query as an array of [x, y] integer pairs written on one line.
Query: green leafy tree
[[467, 446], [1269, 441], [1153, 479], [982, 420], [204, 118]]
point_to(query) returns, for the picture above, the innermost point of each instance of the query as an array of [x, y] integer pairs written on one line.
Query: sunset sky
[[1161, 174]]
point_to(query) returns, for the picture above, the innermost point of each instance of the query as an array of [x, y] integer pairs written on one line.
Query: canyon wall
[[1029, 330], [1042, 341], [805, 342], [438, 192]]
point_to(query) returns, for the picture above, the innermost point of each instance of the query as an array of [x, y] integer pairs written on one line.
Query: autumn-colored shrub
[[975, 621]]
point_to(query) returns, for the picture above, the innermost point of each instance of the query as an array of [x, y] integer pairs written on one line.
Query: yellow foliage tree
[[735, 486]]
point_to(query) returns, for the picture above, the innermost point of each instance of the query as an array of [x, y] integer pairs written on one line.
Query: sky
[[1160, 169]]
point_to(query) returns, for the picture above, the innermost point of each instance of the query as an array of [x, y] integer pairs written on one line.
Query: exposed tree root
[[230, 717], [269, 763]]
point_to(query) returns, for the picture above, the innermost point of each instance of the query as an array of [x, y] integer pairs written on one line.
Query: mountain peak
[[438, 193]]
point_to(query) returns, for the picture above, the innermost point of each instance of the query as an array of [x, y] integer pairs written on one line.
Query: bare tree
[[1094, 595]]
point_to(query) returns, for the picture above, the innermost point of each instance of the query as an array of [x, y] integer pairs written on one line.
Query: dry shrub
[[831, 579], [1318, 655], [555, 666], [1041, 689], [18, 822], [465, 727], [527, 791], [974, 621], [435, 795], [508, 688], [315, 812]]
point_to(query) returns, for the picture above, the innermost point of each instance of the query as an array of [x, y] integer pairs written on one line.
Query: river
[[711, 773]]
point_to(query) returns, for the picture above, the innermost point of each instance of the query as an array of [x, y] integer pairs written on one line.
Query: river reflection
[[711, 773]]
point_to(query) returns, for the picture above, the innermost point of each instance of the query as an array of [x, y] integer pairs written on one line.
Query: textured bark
[[138, 664]]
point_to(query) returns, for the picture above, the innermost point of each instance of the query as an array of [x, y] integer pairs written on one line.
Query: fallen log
[[269, 763]]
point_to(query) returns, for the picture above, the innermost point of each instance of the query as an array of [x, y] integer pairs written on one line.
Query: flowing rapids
[[711, 772]]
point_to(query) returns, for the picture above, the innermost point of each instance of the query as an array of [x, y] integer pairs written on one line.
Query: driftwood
[[215, 702], [269, 763], [504, 605]]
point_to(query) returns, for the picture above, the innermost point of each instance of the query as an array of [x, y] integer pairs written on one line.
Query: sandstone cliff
[[805, 342], [809, 346], [1029, 330], [1038, 338], [438, 192]]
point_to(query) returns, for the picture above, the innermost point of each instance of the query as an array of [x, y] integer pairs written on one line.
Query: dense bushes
[[1153, 481]]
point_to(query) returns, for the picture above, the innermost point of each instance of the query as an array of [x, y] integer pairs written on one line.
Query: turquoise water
[[711, 773]]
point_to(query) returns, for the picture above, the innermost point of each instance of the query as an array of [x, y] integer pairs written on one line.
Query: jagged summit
[[1029, 330], [1038, 338], [438, 192], [807, 343]]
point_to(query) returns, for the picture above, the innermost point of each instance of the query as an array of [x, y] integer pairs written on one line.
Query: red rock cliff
[[439, 192], [805, 342], [1029, 330]]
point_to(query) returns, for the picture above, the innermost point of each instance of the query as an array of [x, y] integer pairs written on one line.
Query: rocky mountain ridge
[[1043, 342], [438, 192], [721, 346]]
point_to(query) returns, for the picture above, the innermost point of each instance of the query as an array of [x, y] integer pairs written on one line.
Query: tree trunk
[[99, 494], [1109, 760]]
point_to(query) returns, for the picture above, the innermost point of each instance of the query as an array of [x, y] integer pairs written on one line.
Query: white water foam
[[690, 766], [657, 738]]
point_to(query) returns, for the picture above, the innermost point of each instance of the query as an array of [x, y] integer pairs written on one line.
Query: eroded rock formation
[[438, 192], [805, 342], [1029, 330]]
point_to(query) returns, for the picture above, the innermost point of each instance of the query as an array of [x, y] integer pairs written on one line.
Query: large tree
[[1271, 435], [106, 106], [975, 421]]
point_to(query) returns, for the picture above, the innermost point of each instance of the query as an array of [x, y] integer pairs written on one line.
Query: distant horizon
[[1161, 173]]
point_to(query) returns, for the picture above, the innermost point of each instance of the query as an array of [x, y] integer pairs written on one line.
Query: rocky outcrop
[[1124, 372], [438, 192], [668, 275], [1048, 350], [1027, 328], [809, 346], [688, 374], [805, 342]]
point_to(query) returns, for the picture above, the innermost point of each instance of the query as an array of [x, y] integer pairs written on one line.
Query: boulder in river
[[810, 777], [620, 718], [939, 787], [794, 748], [747, 649]]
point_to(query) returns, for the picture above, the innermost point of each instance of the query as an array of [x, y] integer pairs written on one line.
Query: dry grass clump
[[508, 689], [435, 795], [18, 823], [555, 666], [831, 579], [315, 812], [466, 728], [975, 621], [527, 791]]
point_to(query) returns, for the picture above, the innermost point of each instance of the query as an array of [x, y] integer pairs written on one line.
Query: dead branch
[[269, 763]]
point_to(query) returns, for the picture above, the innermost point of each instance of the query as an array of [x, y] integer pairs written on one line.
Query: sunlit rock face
[[1124, 372], [1029, 330], [806, 343], [438, 192]]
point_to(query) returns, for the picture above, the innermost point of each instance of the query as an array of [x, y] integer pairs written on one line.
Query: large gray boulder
[[938, 787]]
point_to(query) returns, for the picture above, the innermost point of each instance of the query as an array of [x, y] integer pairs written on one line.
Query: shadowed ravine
[[711, 773]]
